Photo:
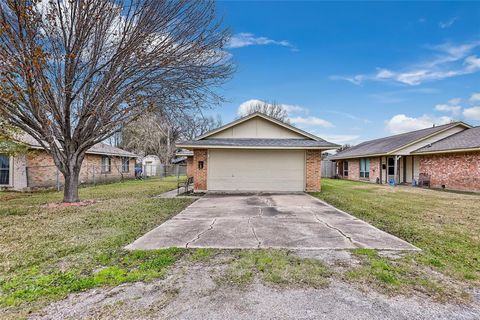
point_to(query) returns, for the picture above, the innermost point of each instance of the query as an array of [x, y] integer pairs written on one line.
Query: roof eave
[[359, 156], [94, 152], [447, 151], [429, 136], [256, 147]]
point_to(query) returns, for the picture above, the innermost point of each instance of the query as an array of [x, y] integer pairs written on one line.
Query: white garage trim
[[256, 170]]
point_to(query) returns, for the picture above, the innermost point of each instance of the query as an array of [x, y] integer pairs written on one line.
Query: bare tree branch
[[75, 72]]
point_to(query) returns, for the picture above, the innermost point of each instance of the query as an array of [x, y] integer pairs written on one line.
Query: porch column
[[397, 172]]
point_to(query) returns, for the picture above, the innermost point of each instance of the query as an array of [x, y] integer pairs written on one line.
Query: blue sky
[[353, 71]]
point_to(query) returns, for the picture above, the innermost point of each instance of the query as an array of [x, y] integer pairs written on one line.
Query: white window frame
[[343, 168], [109, 165], [125, 161], [365, 174], [10, 172]]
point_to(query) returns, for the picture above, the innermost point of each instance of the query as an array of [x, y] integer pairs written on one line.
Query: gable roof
[[261, 115], [462, 141], [260, 143], [390, 144], [100, 148], [312, 141]]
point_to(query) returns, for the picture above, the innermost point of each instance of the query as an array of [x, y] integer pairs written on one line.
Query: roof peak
[[263, 116]]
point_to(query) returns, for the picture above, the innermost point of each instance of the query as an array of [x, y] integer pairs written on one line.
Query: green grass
[[49, 253], [276, 267], [445, 225]]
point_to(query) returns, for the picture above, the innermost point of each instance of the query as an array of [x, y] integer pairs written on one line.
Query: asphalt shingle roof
[[284, 143], [388, 144], [467, 139], [99, 148]]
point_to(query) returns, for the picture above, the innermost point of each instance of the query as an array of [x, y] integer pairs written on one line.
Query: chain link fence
[[48, 177], [161, 170]]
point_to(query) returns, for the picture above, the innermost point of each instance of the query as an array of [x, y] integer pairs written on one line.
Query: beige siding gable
[[257, 128], [439, 136]]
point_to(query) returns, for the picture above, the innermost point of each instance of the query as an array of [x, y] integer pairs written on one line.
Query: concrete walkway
[[293, 221]]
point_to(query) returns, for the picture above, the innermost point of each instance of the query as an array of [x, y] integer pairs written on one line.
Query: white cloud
[[245, 39], [472, 113], [448, 108], [401, 123], [475, 97], [311, 121], [447, 61], [448, 23], [455, 101], [244, 107], [293, 112], [341, 138]]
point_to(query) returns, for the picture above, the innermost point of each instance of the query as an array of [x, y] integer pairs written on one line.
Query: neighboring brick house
[[36, 169], [453, 162], [447, 154], [256, 153]]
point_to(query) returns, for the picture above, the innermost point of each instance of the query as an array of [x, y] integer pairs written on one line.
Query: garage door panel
[[256, 170]]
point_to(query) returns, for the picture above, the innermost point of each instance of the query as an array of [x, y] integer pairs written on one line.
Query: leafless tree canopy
[[156, 133], [74, 72], [344, 147], [272, 109]]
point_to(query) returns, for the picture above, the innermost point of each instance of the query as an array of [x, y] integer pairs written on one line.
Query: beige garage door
[[256, 170]]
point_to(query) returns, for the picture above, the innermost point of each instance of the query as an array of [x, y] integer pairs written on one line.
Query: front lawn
[[445, 225], [47, 253]]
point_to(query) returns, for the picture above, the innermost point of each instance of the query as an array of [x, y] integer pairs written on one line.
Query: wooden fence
[[328, 169]]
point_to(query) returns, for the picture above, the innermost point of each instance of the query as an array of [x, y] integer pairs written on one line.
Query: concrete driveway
[[266, 220]]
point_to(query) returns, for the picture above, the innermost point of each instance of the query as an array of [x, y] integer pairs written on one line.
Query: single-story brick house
[[36, 168], [448, 154], [256, 153]]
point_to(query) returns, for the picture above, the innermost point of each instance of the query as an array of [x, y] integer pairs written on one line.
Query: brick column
[[313, 172], [200, 175], [190, 166]]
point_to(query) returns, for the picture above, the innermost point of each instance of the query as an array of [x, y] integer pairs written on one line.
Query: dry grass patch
[[47, 253], [276, 267], [445, 225]]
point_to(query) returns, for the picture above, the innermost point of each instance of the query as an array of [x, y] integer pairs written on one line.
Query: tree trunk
[[72, 176], [70, 192]]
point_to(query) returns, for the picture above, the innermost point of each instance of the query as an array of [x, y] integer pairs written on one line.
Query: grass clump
[[35, 284], [202, 254], [276, 267]]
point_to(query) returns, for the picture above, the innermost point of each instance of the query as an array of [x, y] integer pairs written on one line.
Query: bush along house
[[446, 156], [36, 169]]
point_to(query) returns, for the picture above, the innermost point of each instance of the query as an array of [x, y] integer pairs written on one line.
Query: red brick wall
[[189, 166], [353, 169], [457, 171], [200, 175], [42, 172], [313, 161], [375, 169]]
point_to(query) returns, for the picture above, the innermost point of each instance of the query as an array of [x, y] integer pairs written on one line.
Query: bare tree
[[272, 109], [197, 125], [75, 72], [151, 133], [9, 139], [156, 133], [344, 147]]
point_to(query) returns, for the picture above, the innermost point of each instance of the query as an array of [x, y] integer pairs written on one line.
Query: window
[[345, 168], [365, 168], [125, 164], [4, 170], [391, 167], [106, 164]]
